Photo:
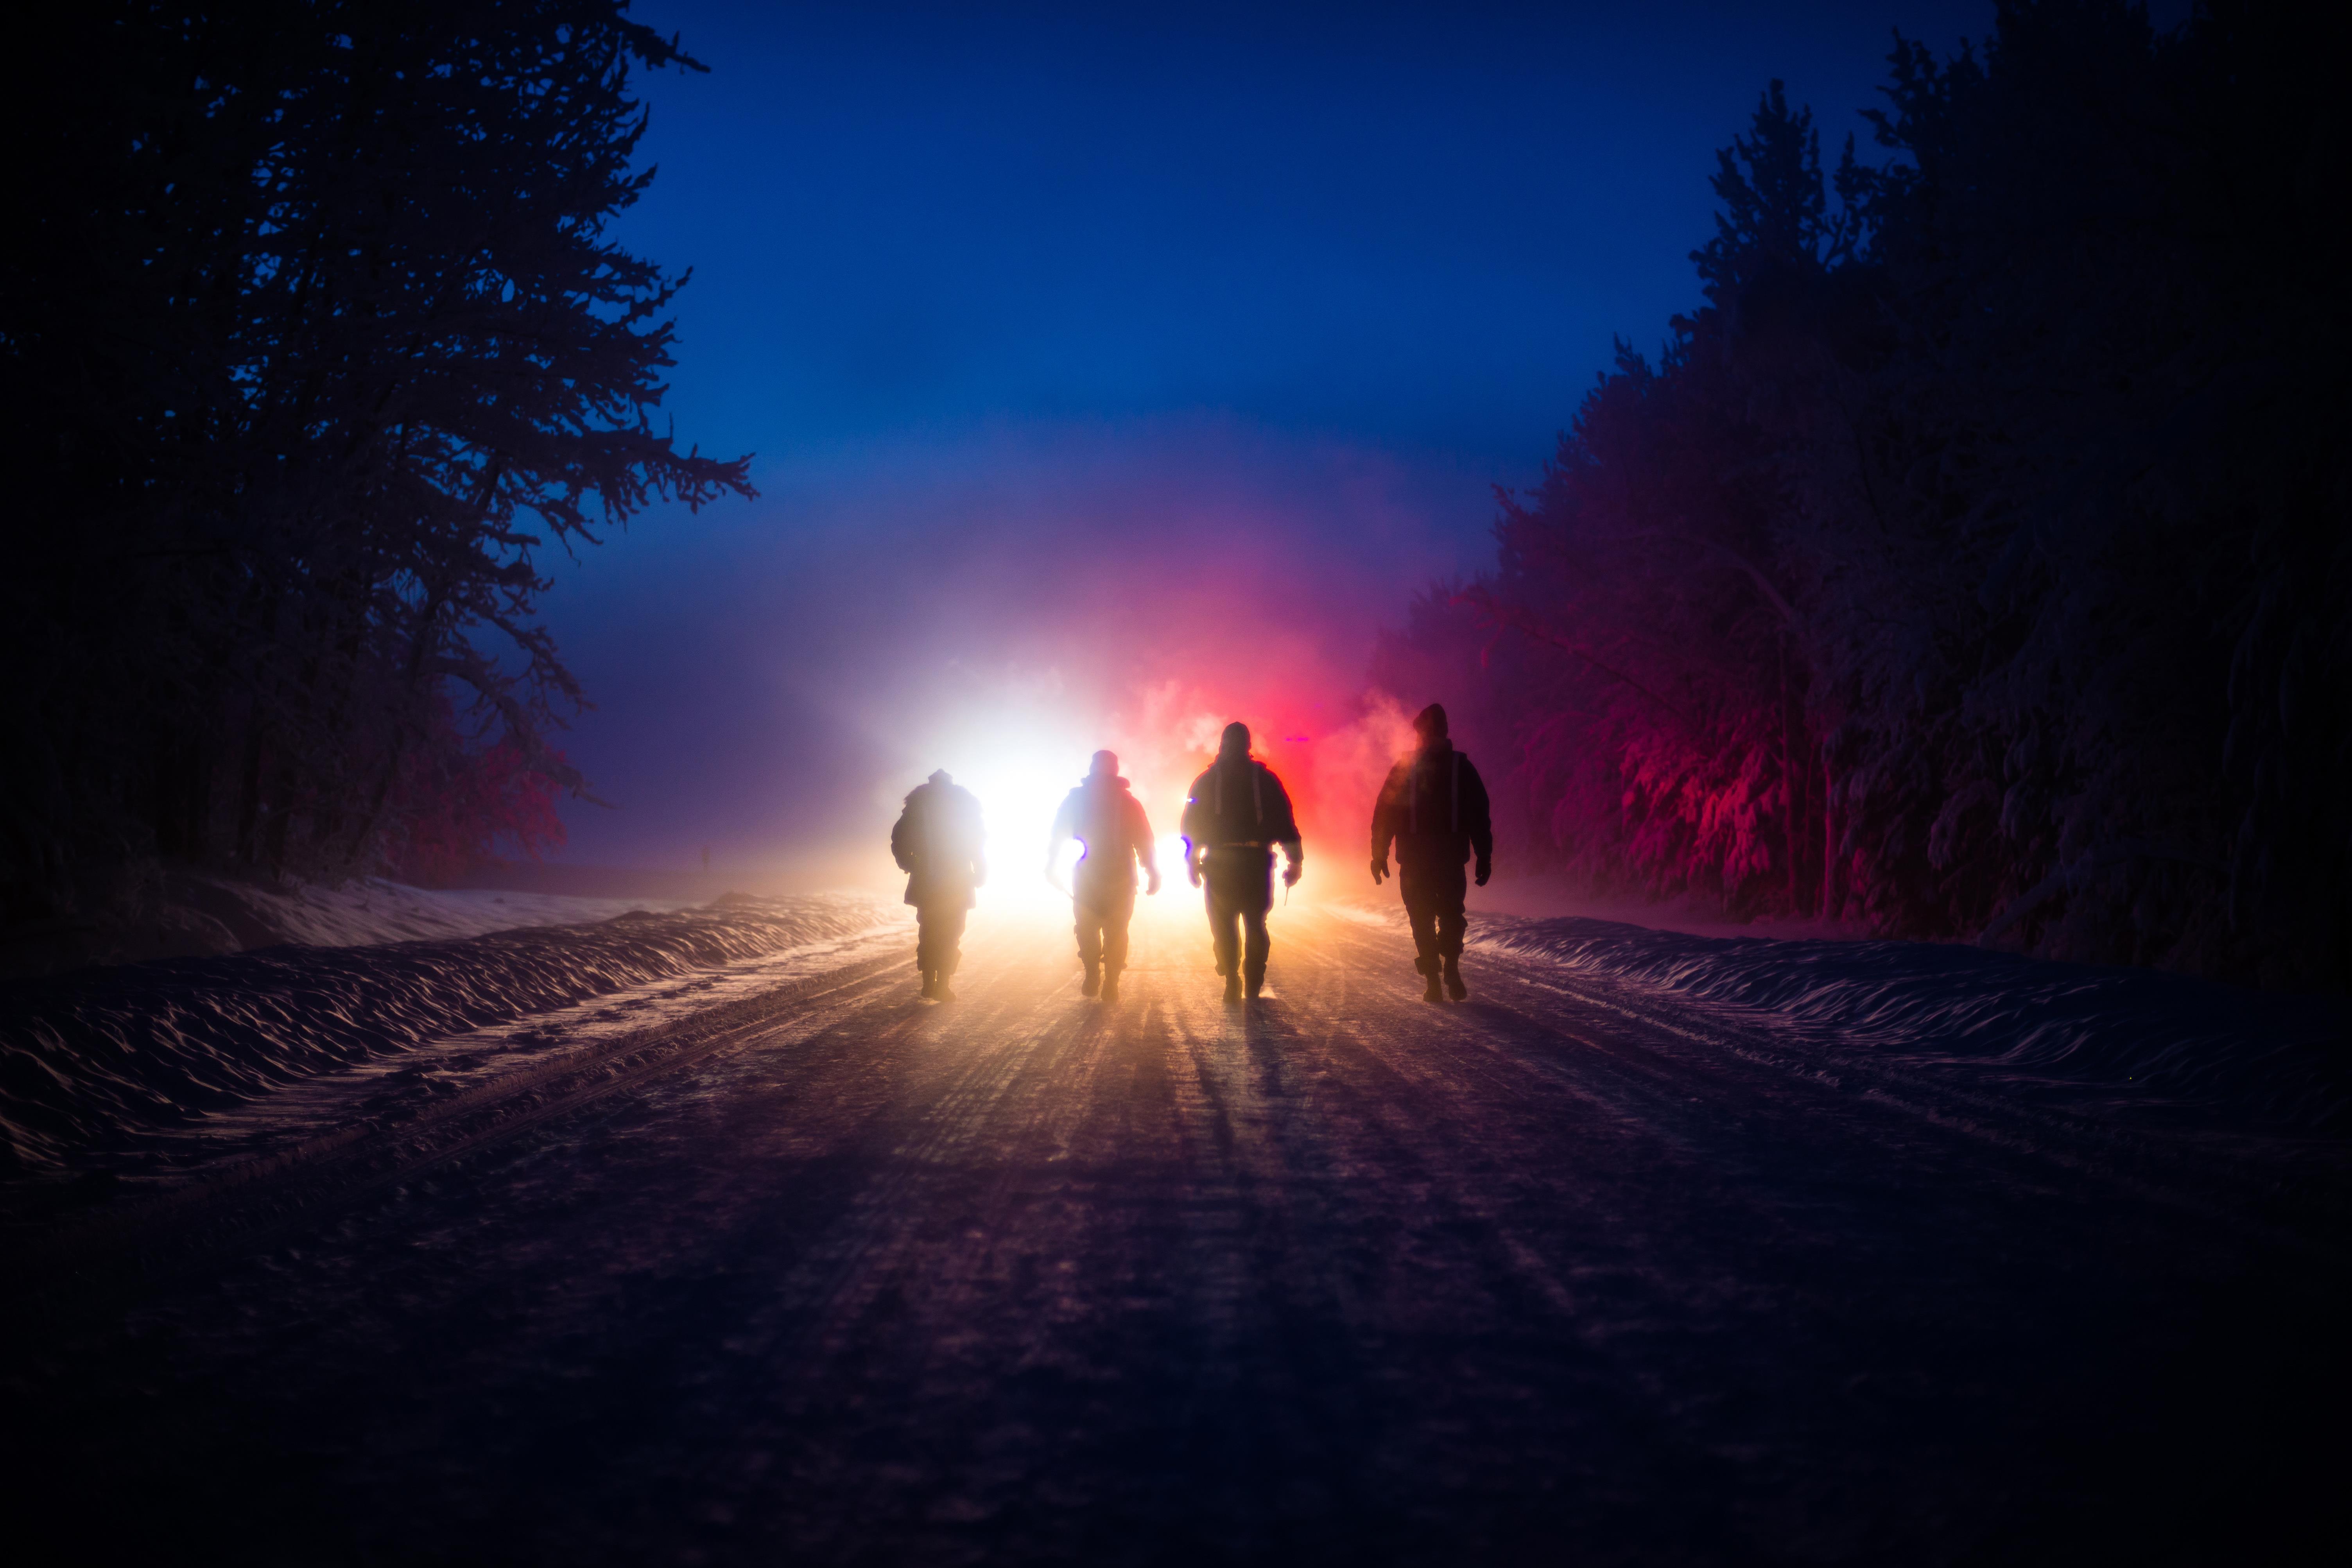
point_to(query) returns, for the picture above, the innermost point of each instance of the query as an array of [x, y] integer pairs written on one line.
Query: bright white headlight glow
[[1020, 764]]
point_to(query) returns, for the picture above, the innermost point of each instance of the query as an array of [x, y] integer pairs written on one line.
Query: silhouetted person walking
[[937, 844], [1237, 814], [1435, 806], [1104, 815]]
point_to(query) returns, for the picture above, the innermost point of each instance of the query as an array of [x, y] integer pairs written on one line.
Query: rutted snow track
[[335, 1139], [1576, 1271]]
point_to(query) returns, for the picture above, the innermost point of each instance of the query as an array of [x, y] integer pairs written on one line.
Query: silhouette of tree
[[1975, 562], [1776, 215], [315, 345]]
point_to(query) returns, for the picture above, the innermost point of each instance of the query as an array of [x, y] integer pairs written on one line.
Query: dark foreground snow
[[1587, 1270]]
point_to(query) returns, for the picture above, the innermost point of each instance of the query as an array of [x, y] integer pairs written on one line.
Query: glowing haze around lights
[[1022, 752]]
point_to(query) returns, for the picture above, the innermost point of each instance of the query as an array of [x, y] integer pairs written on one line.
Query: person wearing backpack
[[1103, 814], [1237, 814], [1434, 807], [938, 842]]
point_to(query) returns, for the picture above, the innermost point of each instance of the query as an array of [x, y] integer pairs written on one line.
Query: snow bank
[[87, 1056], [150, 913], [2122, 1036], [371, 910]]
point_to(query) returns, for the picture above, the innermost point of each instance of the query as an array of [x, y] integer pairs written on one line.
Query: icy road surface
[[1574, 1273]]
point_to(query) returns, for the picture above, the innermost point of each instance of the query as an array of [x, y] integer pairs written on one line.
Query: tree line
[[316, 345], [1975, 562]]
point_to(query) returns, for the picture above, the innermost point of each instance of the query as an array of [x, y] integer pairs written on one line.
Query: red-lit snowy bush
[[454, 804]]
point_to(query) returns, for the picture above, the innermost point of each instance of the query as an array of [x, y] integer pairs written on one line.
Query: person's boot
[[1110, 986], [1232, 987], [1454, 986], [931, 987], [1257, 985], [1094, 982], [1427, 969], [940, 992]]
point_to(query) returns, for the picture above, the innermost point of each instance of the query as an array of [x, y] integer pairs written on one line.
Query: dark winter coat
[[1239, 801], [938, 843], [1105, 815], [1434, 807]]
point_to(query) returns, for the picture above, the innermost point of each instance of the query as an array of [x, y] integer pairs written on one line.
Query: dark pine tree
[[1976, 563], [314, 343]]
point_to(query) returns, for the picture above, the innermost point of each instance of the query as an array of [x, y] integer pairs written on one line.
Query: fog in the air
[[998, 604], [1110, 374]]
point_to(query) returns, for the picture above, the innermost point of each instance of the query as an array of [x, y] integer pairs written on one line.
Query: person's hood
[[938, 784]]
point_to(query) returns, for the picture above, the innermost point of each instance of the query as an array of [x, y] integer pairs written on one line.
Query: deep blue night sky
[[1080, 349]]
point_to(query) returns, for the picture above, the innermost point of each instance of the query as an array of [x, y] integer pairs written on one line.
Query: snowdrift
[[151, 912], [2117, 1038], [87, 1057], [373, 910]]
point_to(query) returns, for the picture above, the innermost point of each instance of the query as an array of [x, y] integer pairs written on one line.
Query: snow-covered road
[[1578, 1271]]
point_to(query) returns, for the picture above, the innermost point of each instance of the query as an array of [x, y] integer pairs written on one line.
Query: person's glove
[[1485, 870], [1379, 869], [1151, 881], [1291, 873], [1192, 872]]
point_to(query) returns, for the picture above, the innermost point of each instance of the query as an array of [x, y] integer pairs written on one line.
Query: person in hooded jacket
[[1103, 814], [1235, 815], [937, 844], [1434, 807]]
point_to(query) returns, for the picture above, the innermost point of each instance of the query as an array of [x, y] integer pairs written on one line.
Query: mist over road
[[1564, 1274]]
